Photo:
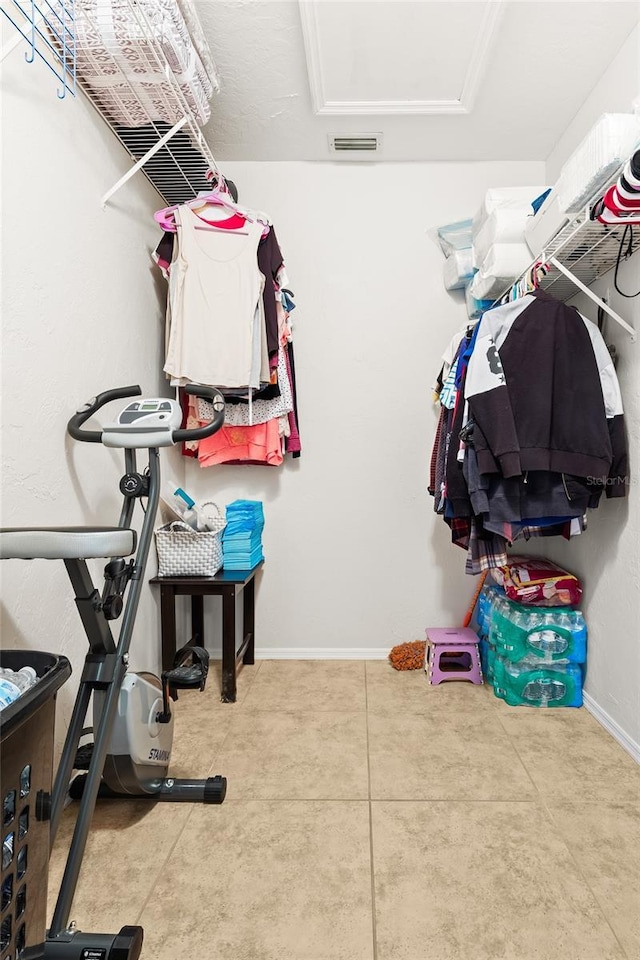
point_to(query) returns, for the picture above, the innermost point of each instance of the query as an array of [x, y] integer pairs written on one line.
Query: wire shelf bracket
[[593, 296], [141, 162], [580, 253], [50, 34]]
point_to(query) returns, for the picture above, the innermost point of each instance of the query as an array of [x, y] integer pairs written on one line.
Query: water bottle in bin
[[13, 683]]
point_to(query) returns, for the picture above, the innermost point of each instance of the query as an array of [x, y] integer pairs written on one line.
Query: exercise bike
[[132, 715]]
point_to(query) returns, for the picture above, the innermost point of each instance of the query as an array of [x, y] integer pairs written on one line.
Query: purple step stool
[[452, 654]]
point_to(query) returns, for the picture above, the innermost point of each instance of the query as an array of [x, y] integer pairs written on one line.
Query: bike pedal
[[190, 669], [185, 678]]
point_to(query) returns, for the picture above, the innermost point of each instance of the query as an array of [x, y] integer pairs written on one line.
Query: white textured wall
[[356, 559], [81, 313], [606, 557]]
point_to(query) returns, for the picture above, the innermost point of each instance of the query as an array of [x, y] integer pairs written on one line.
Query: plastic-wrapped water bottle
[[13, 683]]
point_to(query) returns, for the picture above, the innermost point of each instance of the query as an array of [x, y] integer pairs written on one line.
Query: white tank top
[[215, 287]]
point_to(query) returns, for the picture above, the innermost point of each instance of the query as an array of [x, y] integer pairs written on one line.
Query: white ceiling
[[396, 58], [447, 80]]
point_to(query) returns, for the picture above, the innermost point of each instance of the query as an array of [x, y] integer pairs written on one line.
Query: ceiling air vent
[[364, 143]]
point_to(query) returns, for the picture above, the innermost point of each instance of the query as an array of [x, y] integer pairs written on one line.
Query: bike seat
[[65, 543]]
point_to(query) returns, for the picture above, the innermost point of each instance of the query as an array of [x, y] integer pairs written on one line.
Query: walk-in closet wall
[[81, 312], [356, 559], [607, 556]]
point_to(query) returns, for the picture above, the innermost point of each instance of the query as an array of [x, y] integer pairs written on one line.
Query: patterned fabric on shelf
[[121, 57]]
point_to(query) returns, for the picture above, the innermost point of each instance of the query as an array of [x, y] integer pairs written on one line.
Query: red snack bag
[[538, 582]]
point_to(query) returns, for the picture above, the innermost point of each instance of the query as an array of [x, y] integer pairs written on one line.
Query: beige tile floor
[[373, 817]]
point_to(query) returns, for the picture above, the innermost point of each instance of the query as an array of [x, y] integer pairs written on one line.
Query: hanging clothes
[[531, 428], [271, 265], [228, 326], [215, 286], [257, 444], [240, 414], [543, 394]]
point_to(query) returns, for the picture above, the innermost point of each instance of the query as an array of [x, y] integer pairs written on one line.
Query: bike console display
[[144, 423]]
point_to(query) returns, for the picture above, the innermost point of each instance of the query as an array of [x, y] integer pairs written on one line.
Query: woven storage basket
[[185, 552]]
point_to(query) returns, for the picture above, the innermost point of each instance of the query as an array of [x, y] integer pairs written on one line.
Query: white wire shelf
[[153, 106], [579, 254], [588, 249]]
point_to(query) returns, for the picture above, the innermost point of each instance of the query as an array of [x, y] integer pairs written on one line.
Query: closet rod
[[592, 296], [141, 162]]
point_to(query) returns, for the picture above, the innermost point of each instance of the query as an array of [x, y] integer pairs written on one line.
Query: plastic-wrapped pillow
[[475, 308], [504, 198], [502, 265], [457, 269], [455, 236], [504, 225], [607, 145]]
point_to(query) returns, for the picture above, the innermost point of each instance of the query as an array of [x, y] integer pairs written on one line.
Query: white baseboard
[[612, 727], [316, 653]]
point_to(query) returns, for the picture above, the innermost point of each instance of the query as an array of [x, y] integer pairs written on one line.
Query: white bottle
[[14, 683], [189, 513]]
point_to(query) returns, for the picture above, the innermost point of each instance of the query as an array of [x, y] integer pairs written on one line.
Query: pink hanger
[[217, 197], [166, 219], [231, 225]]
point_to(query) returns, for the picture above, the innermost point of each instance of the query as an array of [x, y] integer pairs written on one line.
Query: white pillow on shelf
[[504, 263]]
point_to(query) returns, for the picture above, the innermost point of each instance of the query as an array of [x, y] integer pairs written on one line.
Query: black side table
[[226, 584]]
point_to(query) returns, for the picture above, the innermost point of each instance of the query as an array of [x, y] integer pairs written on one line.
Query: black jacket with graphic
[[543, 395]]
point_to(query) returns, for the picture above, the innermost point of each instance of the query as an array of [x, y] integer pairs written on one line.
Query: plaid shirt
[[485, 551]]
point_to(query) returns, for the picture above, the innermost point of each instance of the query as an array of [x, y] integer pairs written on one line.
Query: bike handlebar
[[209, 393], [74, 427]]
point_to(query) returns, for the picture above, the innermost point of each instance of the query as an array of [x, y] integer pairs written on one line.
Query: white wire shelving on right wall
[[583, 251]]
